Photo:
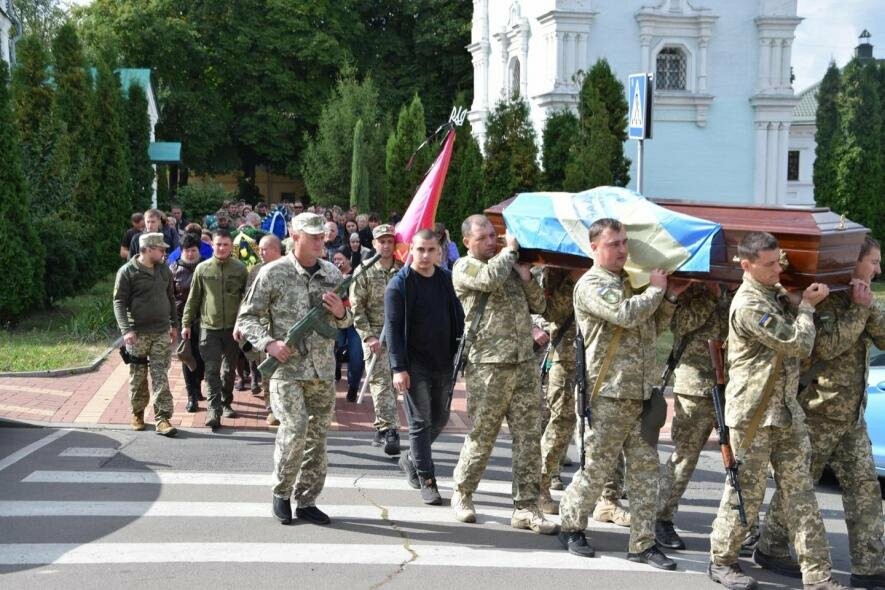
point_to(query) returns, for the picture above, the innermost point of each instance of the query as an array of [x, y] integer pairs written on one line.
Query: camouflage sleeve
[[609, 304], [794, 339], [194, 298], [256, 307], [876, 325], [534, 295], [538, 321], [663, 315], [837, 335], [359, 293], [121, 301], [346, 321], [692, 311], [470, 274]]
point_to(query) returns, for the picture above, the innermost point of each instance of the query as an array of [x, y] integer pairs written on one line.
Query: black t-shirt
[[127, 239], [429, 324]]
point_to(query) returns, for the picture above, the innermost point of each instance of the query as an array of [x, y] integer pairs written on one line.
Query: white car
[[875, 412]]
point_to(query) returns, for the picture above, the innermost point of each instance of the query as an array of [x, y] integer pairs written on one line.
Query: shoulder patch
[[826, 321], [768, 321], [609, 295], [470, 269]]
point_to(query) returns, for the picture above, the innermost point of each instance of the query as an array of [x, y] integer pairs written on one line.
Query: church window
[[793, 165], [514, 77], [670, 69]]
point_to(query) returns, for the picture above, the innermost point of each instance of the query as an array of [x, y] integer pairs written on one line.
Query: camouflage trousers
[[613, 488], [693, 420], [381, 388], [304, 409], [789, 452], [560, 397], [846, 448], [616, 427], [157, 348], [496, 391]]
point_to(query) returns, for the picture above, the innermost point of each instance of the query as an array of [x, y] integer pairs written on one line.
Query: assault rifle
[[464, 344], [585, 417], [672, 362], [315, 320], [718, 393], [554, 344]]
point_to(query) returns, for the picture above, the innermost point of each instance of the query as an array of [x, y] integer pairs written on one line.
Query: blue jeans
[[349, 339], [425, 405]]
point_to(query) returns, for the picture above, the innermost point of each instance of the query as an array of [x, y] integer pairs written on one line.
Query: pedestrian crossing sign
[[639, 94]]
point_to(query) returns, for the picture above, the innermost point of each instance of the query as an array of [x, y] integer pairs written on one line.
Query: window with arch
[[670, 69], [514, 77]]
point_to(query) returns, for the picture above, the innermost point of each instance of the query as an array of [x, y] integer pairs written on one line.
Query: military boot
[[576, 543], [828, 584], [870, 581], [213, 420], [653, 557], [731, 576], [532, 519], [164, 428], [783, 565], [556, 483], [666, 535], [547, 504], [137, 421], [608, 511], [192, 397], [462, 505]]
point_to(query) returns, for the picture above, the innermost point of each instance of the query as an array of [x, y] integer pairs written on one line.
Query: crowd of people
[[408, 321]]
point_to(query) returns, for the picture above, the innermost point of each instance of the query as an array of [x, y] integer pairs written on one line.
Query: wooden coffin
[[819, 245]]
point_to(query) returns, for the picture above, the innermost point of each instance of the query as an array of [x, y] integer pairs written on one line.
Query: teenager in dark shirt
[[424, 320]]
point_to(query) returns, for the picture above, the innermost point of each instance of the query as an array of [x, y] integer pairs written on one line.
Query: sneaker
[[556, 483], [666, 536], [785, 566], [405, 463], [828, 584], [532, 519], [351, 394], [282, 510], [212, 420], [547, 504], [608, 511], [868, 581], [576, 543], [378, 438], [653, 557], [430, 493], [731, 576], [312, 514], [228, 412], [163, 427], [271, 419], [391, 442], [462, 504], [137, 421]]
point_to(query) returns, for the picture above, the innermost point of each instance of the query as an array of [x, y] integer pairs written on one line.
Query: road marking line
[[34, 446], [234, 479], [88, 452], [326, 553], [96, 406], [26, 409]]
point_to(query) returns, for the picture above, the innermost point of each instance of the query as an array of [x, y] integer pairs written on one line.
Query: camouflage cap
[[222, 213], [385, 229], [153, 239], [310, 223]]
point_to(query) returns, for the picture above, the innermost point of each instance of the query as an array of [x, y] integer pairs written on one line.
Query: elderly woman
[[355, 251]]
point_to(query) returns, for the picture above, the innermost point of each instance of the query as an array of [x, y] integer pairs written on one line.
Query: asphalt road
[[113, 508]]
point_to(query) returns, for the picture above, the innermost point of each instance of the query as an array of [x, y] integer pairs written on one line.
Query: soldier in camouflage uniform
[[501, 373], [606, 306], [834, 401], [766, 342], [302, 393], [702, 315], [144, 306], [367, 303]]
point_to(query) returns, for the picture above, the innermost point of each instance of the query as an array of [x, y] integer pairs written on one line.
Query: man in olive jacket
[[144, 306], [217, 287]]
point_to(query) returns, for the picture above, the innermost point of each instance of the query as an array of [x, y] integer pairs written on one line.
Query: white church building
[[10, 31], [723, 100]]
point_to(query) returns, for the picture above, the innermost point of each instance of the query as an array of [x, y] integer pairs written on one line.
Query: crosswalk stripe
[[327, 553], [88, 452], [34, 446], [233, 479]]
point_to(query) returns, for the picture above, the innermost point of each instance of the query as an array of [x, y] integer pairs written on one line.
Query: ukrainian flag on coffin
[[658, 237]]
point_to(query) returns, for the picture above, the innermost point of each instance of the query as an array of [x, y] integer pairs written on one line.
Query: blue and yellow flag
[[658, 237]]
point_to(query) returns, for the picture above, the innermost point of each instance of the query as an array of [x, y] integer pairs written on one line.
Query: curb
[[69, 372]]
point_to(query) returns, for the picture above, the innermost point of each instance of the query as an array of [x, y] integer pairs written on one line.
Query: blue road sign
[[639, 113]]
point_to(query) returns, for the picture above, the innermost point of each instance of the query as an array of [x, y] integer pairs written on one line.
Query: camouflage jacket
[[604, 300], [841, 353], [367, 298], [558, 287], [702, 316], [504, 334], [283, 292], [762, 323]]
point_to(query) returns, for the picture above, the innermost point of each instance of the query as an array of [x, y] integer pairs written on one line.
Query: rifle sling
[[606, 362], [481, 302], [560, 334], [767, 390]]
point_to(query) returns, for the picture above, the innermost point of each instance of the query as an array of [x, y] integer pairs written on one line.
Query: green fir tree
[[409, 134], [589, 163], [557, 141], [359, 176], [511, 154], [138, 138], [464, 183], [826, 138], [610, 91]]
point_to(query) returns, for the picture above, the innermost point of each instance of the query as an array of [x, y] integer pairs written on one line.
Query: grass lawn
[[71, 334]]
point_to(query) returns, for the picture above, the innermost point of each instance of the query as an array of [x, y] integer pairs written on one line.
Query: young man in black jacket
[[424, 320]]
